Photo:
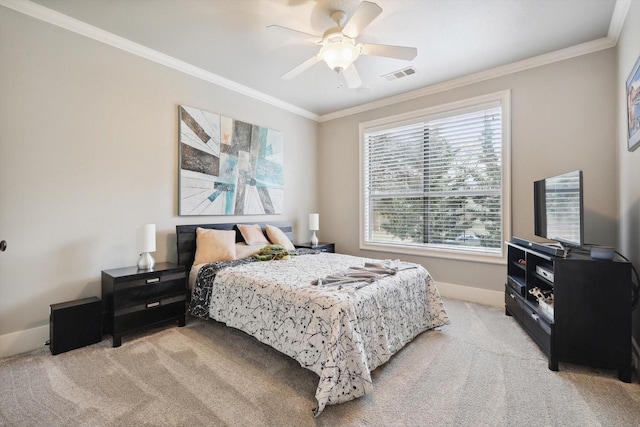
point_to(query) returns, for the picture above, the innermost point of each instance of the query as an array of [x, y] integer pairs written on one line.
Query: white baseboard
[[30, 339], [467, 293], [23, 341]]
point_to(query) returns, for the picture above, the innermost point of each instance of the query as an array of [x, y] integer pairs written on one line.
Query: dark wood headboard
[[186, 237]]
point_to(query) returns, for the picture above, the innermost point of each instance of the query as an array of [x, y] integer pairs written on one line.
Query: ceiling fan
[[338, 46]]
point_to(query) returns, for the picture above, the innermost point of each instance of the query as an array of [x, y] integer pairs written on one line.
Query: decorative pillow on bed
[[214, 245], [252, 234], [277, 237], [244, 251]]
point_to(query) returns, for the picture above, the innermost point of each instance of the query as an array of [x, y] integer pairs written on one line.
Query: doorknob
[[3, 246]]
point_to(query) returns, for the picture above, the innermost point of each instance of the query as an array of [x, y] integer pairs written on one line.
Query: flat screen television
[[559, 209]]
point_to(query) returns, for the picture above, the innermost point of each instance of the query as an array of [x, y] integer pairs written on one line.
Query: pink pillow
[[278, 237], [252, 234], [214, 245]]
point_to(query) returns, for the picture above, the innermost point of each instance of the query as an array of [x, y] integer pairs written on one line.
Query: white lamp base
[[314, 239], [146, 261]]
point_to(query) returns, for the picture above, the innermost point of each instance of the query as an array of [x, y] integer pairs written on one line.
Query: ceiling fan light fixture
[[338, 47], [339, 52]]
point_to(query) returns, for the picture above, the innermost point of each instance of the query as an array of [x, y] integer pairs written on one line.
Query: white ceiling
[[454, 38]]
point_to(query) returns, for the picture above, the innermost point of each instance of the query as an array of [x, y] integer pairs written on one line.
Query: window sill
[[444, 252]]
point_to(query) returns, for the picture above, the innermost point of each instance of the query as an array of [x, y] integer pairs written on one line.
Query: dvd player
[[544, 272], [547, 248]]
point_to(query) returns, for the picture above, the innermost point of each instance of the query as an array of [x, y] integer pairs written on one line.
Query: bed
[[309, 308]]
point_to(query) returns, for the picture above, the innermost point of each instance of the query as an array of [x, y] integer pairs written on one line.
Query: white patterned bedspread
[[341, 335]]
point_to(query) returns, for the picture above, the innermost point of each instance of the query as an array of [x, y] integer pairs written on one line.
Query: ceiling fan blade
[[295, 33], [388, 51], [352, 77], [300, 68], [363, 16]]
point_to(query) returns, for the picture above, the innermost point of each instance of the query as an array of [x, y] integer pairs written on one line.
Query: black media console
[[589, 321]]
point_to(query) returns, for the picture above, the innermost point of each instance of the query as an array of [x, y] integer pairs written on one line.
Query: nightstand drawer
[[150, 303], [151, 279], [148, 316], [330, 247], [140, 295]]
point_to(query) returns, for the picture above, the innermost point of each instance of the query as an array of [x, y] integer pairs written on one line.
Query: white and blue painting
[[633, 107], [228, 167]]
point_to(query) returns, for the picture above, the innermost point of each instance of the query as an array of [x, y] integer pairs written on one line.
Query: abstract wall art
[[228, 167], [633, 107]]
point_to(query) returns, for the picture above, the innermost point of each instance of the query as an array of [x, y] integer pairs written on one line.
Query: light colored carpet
[[482, 370]]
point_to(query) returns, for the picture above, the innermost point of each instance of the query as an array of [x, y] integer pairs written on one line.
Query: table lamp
[[146, 242], [314, 225]]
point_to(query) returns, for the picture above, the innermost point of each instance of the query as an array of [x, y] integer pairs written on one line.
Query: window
[[435, 181]]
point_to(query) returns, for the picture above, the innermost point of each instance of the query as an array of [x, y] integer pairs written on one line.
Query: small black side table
[[132, 298], [321, 246]]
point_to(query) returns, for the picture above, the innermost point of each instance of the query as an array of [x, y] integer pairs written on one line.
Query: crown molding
[[525, 64], [617, 19], [620, 11], [50, 16], [58, 19]]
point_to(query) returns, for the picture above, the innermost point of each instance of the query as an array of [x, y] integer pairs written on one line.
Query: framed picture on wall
[[228, 167], [633, 107]]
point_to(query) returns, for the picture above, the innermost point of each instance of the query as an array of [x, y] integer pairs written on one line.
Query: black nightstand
[[321, 246], [133, 298]]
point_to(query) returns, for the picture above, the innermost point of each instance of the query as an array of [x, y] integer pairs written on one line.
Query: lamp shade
[[314, 221], [146, 238], [339, 54]]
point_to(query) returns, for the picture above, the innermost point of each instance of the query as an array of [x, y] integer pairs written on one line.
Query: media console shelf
[[590, 322]]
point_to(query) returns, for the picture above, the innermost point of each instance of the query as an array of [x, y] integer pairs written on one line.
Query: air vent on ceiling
[[400, 73]]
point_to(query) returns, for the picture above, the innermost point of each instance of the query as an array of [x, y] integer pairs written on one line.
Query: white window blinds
[[436, 181]]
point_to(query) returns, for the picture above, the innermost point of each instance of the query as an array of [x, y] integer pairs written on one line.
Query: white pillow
[[277, 237], [214, 245], [252, 234]]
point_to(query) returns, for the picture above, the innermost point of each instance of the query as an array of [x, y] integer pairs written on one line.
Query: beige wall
[[628, 50], [88, 151], [563, 115]]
